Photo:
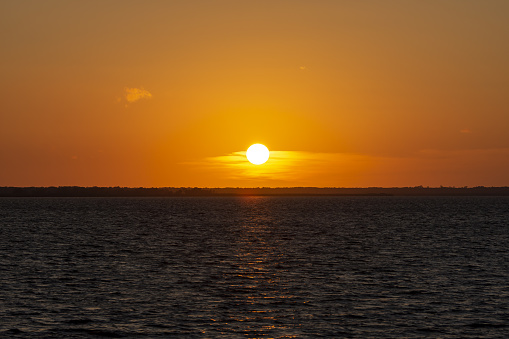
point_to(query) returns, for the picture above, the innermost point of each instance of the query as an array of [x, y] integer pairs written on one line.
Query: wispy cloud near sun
[[297, 168], [283, 167]]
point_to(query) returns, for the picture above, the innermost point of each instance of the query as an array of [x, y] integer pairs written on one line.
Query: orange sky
[[170, 93]]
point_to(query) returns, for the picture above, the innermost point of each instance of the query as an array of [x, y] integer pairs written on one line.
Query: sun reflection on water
[[257, 284]]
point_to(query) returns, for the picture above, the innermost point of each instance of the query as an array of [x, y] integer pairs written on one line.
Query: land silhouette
[[77, 191]]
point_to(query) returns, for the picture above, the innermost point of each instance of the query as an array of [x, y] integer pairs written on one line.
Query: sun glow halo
[[257, 154]]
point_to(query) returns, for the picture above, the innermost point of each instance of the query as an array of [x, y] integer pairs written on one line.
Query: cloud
[[134, 94], [283, 167], [465, 130], [431, 167]]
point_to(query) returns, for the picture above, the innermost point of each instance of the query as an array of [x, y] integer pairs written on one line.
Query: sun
[[257, 154]]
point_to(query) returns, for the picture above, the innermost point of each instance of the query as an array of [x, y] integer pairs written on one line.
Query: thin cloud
[[134, 94], [282, 167], [465, 131], [430, 167]]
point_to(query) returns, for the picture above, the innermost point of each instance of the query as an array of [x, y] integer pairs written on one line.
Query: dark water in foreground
[[254, 267]]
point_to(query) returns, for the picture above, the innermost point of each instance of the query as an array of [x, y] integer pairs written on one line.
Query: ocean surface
[[254, 267]]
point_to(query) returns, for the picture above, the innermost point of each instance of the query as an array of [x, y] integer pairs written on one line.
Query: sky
[[172, 93]]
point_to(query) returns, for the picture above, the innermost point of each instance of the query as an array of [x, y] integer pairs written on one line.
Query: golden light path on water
[[258, 284]]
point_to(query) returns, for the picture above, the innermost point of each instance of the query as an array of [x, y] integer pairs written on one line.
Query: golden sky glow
[[171, 93]]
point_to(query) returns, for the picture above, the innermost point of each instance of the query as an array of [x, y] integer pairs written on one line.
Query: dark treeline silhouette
[[77, 191]]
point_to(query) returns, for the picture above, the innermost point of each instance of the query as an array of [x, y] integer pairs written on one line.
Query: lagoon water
[[254, 267]]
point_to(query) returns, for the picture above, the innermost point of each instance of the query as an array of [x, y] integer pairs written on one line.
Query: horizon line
[[262, 187]]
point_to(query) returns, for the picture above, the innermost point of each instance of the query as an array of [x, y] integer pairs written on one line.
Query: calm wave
[[254, 267]]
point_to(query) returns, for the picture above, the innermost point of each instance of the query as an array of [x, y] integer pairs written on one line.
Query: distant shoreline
[[77, 191]]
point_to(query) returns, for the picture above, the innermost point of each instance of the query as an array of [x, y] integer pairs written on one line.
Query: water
[[254, 267]]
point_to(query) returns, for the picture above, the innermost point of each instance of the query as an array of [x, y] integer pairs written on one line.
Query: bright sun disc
[[257, 154]]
